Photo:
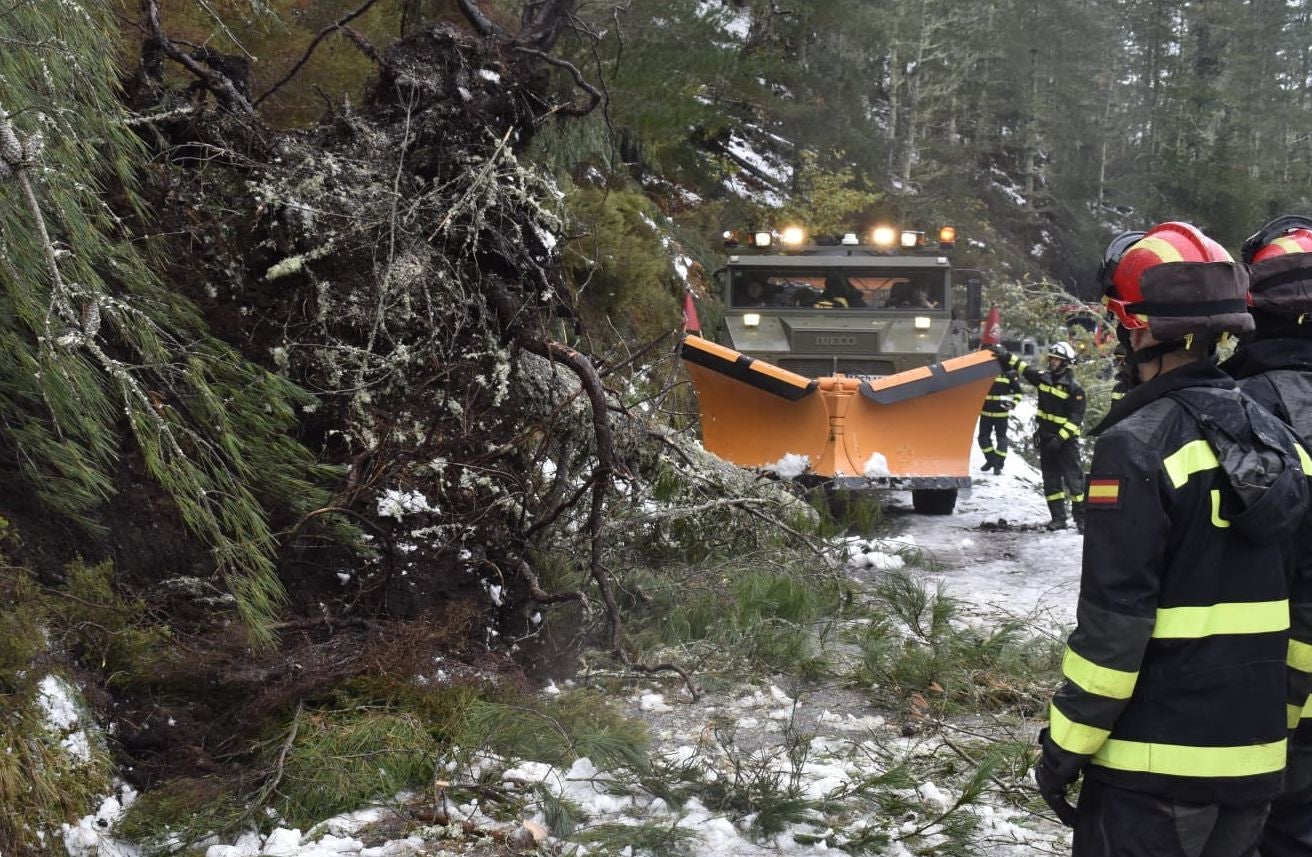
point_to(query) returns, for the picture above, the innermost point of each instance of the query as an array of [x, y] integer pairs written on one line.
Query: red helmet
[[1288, 234], [1279, 257], [1164, 244]]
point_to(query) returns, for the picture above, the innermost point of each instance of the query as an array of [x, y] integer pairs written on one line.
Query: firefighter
[[1275, 368], [1173, 704], [1061, 411], [1002, 397]]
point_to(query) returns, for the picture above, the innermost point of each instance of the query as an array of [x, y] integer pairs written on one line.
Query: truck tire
[[934, 501]]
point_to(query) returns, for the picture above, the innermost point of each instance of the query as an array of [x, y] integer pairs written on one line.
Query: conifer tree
[[98, 359]]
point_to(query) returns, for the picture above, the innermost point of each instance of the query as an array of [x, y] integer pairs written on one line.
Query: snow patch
[[398, 504], [790, 466], [876, 465]]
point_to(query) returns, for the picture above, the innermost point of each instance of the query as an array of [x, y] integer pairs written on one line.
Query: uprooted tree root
[[399, 262]]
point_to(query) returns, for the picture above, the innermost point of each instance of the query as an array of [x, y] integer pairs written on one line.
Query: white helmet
[[1062, 351]]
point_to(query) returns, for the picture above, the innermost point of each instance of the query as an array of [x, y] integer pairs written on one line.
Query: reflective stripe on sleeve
[[1298, 713], [1104, 681], [1074, 737], [1245, 617], [1179, 760], [1194, 457], [1300, 656]]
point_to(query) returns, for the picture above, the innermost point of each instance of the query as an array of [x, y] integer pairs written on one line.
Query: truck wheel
[[934, 501]]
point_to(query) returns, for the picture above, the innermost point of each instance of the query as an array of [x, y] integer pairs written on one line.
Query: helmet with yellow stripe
[[1290, 233], [1279, 257], [1176, 282]]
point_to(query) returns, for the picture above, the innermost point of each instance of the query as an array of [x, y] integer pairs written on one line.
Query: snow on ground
[[1024, 573], [992, 555]]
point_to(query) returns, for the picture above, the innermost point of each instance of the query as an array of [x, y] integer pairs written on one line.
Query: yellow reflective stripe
[[1056, 391], [1066, 424], [1289, 245], [1294, 714], [1159, 248], [1077, 498], [1074, 737], [1193, 457], [1217, 520], [1244, 617], [1104, 681], [1304, 459], [1179, 760], [1060, 495], [1300, 656]]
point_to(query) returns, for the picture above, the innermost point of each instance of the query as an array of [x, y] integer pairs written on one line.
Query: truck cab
[[857, 311]]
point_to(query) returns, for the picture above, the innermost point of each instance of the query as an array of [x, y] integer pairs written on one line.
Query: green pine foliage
[[96, 352], [620, 269]]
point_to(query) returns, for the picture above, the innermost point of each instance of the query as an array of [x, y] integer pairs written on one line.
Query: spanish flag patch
[[1103, 493]]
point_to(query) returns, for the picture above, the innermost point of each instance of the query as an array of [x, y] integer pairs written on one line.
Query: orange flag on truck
[[690, 322], [991, 332]]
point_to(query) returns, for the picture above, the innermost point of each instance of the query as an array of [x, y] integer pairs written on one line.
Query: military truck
[[851, 354]]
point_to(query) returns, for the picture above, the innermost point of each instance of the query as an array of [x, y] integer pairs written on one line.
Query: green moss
[[620, 269], [21, 640], [107, 632]]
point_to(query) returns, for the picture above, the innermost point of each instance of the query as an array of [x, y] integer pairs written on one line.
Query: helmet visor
[[1111, 257]]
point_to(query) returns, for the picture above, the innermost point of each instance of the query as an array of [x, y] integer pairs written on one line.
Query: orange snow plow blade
[[921, 421]]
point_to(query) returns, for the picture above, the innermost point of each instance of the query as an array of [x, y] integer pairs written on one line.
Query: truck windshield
[[911, 289]]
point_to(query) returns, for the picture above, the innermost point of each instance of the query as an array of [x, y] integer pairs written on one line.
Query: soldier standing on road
[[998, 404], [1275, 368], [1174, 701], [1061, 411]]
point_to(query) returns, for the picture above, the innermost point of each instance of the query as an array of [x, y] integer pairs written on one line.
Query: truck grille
[[816, 367]]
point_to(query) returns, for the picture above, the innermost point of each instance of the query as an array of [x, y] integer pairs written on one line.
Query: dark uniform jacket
[[1175, 674], [1061, 400], [1278, 374], [1003, 395]]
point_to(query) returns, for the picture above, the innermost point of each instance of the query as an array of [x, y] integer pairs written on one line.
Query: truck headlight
[[793, 236], [883, 236], [923, 322], [752, 319]]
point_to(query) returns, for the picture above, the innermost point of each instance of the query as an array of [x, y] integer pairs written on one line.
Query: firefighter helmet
[[1290, 233], [1174, 281], [1280, 268], [1062, 351]]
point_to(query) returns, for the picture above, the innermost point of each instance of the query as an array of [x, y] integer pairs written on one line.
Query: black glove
[[1003, 355], [1051, 443], [1053, 785]]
